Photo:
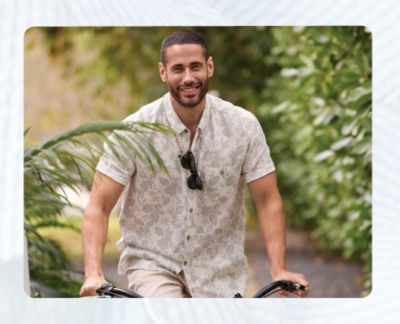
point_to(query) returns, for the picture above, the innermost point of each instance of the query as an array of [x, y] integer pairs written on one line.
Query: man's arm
[[271, 217], [104, 195]]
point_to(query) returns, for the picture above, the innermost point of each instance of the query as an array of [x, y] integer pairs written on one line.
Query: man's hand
[[295, 277], [91, 283]]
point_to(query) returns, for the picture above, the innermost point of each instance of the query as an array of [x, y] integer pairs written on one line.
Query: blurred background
[[310, 88]]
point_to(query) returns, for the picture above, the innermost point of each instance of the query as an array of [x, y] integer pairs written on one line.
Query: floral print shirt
[[165, 225]]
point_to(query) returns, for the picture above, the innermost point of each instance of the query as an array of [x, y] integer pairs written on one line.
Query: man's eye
[[196, 67], [176, 69]]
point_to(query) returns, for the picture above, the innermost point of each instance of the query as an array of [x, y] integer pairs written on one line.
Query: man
[[183, 232]]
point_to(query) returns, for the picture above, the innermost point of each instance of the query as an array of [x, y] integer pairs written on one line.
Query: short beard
[[202, 94]]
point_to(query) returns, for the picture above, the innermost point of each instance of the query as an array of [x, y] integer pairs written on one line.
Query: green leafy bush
[[317, 116]]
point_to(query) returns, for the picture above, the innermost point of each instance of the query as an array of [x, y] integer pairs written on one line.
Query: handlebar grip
[[291, 286], [272, 287], [105, 289], [109, 290]]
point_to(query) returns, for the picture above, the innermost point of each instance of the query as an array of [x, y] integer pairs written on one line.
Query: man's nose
[[188, 76]]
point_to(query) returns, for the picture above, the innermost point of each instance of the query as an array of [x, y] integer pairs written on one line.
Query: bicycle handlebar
[[109, 290], [276, 286]]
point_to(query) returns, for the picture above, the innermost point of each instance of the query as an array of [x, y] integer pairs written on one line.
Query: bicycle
[[108, 290]]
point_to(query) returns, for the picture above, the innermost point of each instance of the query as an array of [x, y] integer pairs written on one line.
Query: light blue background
[[381, 17]]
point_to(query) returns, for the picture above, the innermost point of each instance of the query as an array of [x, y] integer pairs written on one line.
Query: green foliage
[[67, 161], [317, 116]]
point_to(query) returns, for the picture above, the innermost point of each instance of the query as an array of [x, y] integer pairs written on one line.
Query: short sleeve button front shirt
[[165, 224]]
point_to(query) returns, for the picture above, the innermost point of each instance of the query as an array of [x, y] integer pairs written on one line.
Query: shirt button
[[185, 130], [184, 262], [190, 210], [188, 237]]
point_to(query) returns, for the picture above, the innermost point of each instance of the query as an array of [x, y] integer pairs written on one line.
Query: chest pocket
[[220, 176], [221, 165]]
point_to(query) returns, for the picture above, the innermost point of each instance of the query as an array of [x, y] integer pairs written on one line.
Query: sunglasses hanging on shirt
[[188, 162]]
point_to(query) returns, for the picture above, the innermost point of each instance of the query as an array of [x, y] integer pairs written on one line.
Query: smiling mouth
[[189, 90]]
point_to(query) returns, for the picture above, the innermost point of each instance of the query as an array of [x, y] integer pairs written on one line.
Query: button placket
[[190, 202], [190, 226], [191, 198]]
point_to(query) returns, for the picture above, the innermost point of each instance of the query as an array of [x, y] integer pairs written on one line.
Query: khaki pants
[[157, 283]]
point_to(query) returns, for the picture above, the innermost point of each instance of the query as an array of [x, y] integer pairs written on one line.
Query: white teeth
[[188, 89]]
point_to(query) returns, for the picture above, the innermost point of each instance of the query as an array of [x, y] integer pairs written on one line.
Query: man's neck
[[190, 117]]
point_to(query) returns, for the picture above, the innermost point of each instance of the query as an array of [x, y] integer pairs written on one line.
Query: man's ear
[[210, 67], [163, 72]]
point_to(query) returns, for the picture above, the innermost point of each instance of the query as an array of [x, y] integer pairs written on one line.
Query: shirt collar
[[175, 122]]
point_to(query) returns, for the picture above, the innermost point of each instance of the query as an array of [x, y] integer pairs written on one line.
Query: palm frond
[[68, 160]]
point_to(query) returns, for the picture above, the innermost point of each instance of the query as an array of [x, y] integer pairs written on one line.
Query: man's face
[[186, 73]]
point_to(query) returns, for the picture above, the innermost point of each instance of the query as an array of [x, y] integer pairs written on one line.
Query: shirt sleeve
[[117, 162], [258, 161]]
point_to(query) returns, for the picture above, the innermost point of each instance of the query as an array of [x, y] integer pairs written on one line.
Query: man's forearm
[[94, 235], [271, 217], [272, 224]]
